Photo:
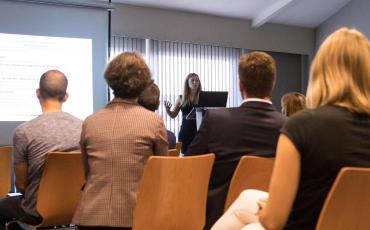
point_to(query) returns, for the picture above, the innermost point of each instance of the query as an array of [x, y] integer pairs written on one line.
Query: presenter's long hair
[[340, 72], [185, 99]]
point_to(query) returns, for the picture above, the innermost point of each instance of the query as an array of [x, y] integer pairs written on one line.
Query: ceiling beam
[[269, 12]]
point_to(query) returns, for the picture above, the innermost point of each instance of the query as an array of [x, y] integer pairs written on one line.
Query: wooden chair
[[60, 188], [5, 169], [251, 173], [347, 205], [172, 193], [173, 153], [178, 146]]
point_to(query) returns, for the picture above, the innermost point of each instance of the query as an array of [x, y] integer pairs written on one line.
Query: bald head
[[53, 85]]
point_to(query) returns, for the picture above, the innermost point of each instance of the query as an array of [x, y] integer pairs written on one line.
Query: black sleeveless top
[[188, 128], [327, 138]]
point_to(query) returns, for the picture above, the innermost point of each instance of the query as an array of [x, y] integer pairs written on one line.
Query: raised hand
[[167, 105]]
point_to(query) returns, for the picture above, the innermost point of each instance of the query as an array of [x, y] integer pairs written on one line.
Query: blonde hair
[[292, 102], [340, 72], [185, 99]]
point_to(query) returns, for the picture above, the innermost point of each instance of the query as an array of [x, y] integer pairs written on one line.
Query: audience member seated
[[292, 102], [53, 130], [149, 99], [251, 129], [316, 143], [116, 142]]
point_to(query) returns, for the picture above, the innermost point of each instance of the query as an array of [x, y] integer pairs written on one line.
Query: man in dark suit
[[230, 133], [149, 99]]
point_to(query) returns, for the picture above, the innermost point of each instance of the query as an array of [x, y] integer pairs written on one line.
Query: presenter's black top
[[188, 128], [327, 138]]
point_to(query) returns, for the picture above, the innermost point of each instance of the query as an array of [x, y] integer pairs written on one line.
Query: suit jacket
[[116, 142], [251, 129]]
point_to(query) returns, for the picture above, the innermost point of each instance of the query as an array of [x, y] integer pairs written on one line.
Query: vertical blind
[[171, 62]]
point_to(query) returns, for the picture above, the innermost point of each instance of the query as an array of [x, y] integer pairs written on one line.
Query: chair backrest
[[173, 193], [347, 205], [5, 169], [173, 153], [60, 188], [251, 173]]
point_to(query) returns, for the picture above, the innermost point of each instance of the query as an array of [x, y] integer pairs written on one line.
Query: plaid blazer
[[116, 142]]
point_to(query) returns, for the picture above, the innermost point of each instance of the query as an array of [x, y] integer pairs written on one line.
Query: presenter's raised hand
[[168, 106]]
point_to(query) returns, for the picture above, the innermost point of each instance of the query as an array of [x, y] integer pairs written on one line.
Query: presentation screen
[[24, 58], [36, 36]]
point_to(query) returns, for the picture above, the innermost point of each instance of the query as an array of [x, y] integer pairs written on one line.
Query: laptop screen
[[212, 99]]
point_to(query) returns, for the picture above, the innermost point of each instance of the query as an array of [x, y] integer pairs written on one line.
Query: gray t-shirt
[[55, 131]]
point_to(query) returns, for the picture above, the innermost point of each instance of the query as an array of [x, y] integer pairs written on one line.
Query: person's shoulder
[[28, 127], [311, 118], [170, 134], [221, 114], [29, 124], [21, 129], [322, 113], [72, 117], [147, 114], [97, 114], [302, 116]]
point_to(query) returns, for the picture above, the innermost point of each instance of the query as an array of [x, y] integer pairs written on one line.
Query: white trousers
[[241, 215]]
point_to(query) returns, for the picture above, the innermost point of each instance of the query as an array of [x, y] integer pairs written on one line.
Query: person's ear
[[241, 86], [243, 92], [38, 94], [65, 97]]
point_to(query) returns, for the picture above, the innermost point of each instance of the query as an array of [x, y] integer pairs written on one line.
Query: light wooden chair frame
[[172, 193], [178, 146], [252, 172], [347, 206], [60, 188], [173, 153], [5, 169]]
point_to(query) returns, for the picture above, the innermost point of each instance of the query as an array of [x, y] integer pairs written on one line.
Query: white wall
[[198, 28]]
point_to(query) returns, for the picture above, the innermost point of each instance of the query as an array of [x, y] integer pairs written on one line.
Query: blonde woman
[[292, 102], [316, 143], [186, 103]]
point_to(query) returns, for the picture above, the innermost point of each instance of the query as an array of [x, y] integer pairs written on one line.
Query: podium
[[207, 100], [196, 114]]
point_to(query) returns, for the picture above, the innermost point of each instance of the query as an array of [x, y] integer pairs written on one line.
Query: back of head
[[292, 102], [149, 98], [257, 74], [127, 75], [340, 72], [53, 85]]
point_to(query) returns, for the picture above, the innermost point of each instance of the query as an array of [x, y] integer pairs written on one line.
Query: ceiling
[[304, 13]]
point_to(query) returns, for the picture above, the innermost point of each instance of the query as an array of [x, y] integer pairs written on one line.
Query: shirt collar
[[258, 100]]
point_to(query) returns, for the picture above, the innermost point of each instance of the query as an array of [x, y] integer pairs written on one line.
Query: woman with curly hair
[[116, 142]]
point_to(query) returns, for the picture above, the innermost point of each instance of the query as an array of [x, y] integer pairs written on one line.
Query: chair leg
[[18, 225]]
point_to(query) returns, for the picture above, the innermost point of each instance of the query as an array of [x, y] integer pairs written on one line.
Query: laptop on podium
[[212, 99]]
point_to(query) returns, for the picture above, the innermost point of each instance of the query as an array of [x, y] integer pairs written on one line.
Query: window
[[171, 62]]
